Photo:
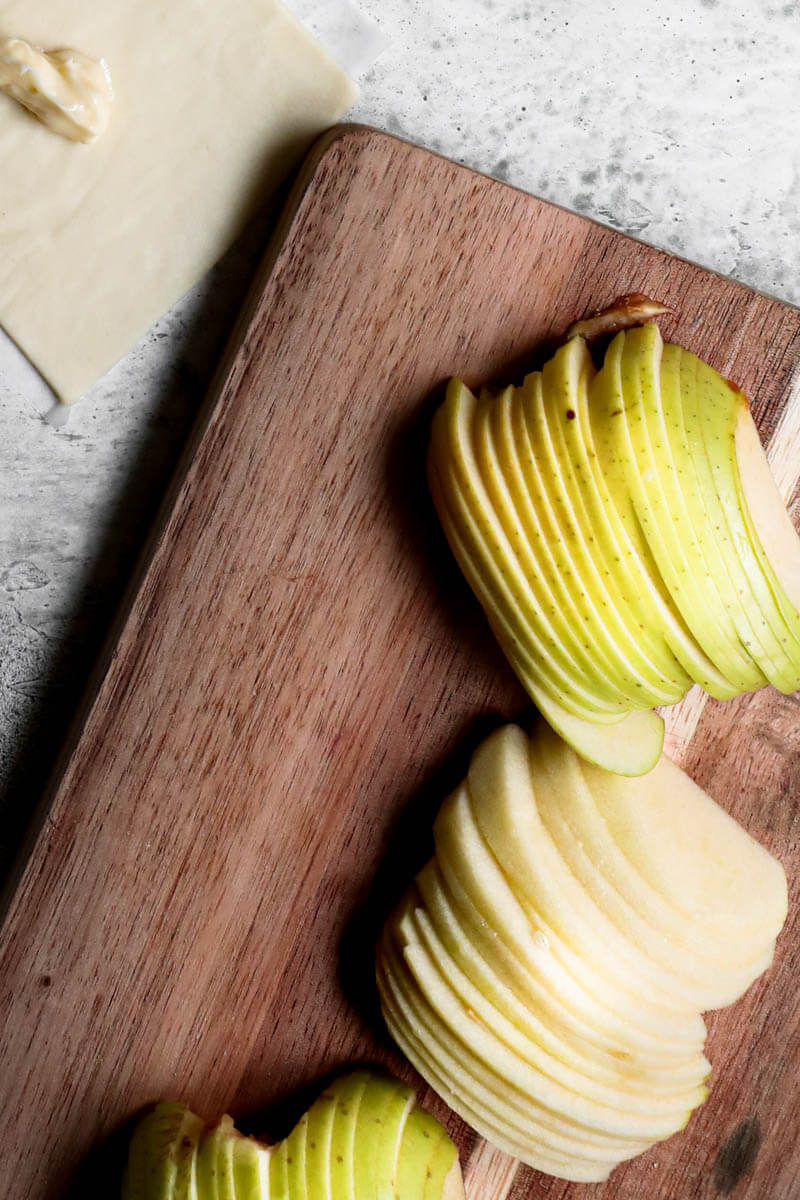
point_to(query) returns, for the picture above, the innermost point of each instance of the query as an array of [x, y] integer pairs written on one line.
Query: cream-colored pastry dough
[[70, 93], [215, 101]]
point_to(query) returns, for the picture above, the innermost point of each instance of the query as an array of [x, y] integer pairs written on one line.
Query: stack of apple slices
[[547, 971], [623, 532], [363, 1138]]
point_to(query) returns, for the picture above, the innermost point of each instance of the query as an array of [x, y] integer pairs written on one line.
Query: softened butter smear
[[70, 93]]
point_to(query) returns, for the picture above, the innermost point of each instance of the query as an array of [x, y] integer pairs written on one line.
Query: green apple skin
[[458, 488], [542, 553], [162, 1154], [333, 1153], [563, 379]]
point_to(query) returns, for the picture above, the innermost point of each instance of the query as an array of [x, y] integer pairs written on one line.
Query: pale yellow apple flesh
[[549, 1012]]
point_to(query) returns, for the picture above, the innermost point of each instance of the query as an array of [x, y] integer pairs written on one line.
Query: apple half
[[363, 1138], [547, 970]]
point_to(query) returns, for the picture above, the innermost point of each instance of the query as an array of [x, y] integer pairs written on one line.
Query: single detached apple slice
[[638, 741]]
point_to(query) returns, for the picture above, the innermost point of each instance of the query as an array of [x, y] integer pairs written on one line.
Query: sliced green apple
[[250, 1169], [319, 1135], [349, 1093], [614, 395], [771, 530], [635, 748], [527, 654], [710, 408], [455, 479], [382, 1114], [565, 635], [426, 1153], [162, 1154], [565, 378]]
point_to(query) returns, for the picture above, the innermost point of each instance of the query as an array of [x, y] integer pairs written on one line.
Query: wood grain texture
[[300, 674]]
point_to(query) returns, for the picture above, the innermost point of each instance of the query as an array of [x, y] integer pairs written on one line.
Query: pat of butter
[[214, 103], [70, 93]]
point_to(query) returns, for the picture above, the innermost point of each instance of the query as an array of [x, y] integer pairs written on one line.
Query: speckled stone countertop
[[673, 121]]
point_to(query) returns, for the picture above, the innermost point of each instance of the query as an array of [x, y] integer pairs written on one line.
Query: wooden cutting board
[[299, 675]]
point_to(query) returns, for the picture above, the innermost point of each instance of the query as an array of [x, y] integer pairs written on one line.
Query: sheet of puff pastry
[[215, 101]]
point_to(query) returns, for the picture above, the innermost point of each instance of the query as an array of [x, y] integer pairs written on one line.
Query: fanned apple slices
[[625, 537], [547, 971], [363, 1138]]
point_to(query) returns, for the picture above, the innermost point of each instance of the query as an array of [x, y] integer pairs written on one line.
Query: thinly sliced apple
[[457, 486], [385, 1104], [534, 512], [771, 528], [708, 407], [461, 1054], [321, 1120], [707, 982], [505, 811], [552, 999], [626, 547], [296, 1145], [163, 1153], [461, 1101], [565, 378], [689, 527], [684, 576], [349, 1092], [635, 748], [541, 1016], [570, 814], [415, 924], [526, 654], [692, 852], [467, 863], [427, 1161], [533, 563], [250, 1170]]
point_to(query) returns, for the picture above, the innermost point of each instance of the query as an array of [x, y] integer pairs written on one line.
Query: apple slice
[[575, 823], [707, 982], [505, 1097], [349, 1092], [250, 1169], [385, 1105], [414, 924], [455, 479], [533, 510], [771, 530], [635, 748], [653, 420], [466, 863], [426, 1154], [540, 1013], [461, 1100], [683, 572], [162, 1154], [527, 654], [711, 406], [504, 809], [692, 853], [319, 1134], [576, 1024], [626, 548], [587, 653], [565, 378]]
